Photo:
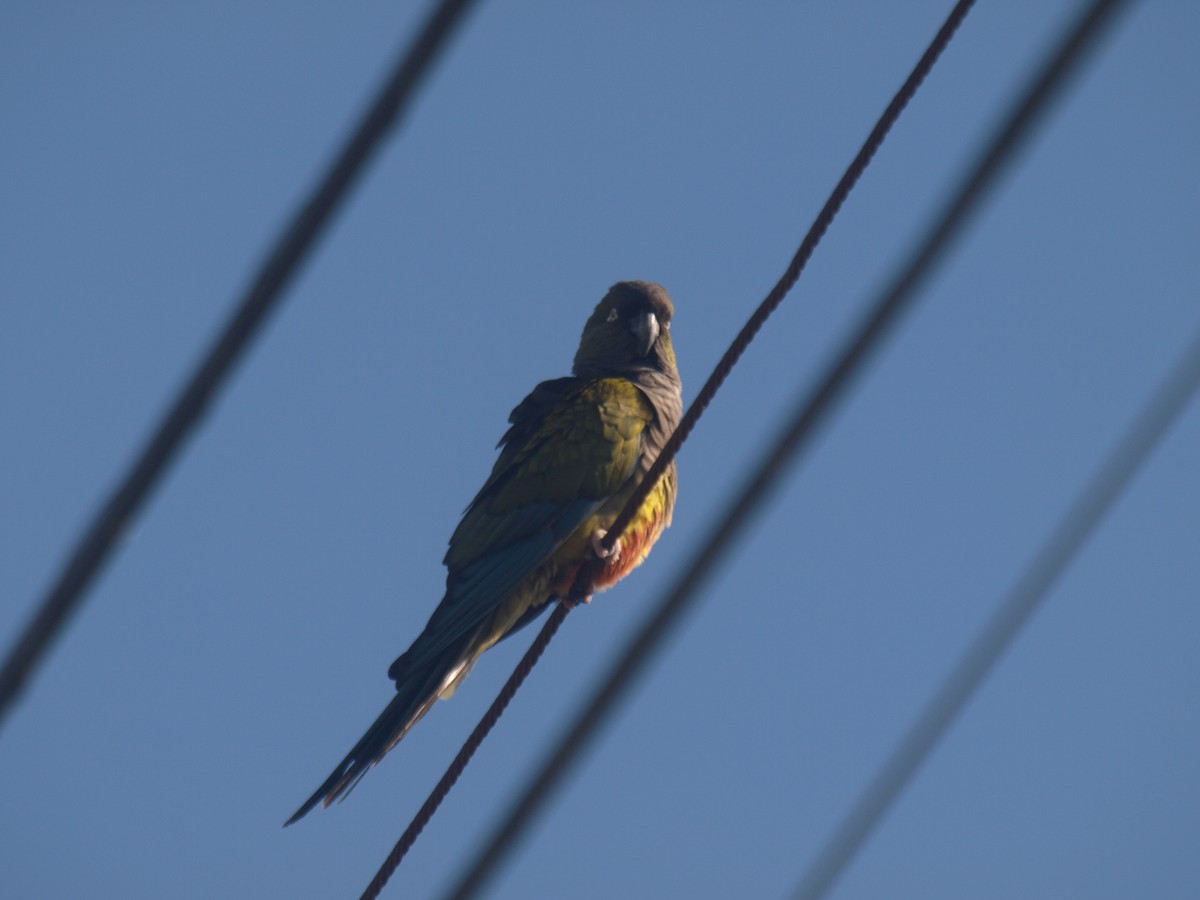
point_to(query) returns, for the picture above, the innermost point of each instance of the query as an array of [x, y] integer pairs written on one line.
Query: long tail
[[413, 699]]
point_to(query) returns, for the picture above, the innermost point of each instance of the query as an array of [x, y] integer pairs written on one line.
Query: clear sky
[[237, 645]]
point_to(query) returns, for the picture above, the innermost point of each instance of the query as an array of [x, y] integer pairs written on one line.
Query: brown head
[[629, 331]]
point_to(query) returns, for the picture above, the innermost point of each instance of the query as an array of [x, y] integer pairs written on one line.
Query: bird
[[576, 449]]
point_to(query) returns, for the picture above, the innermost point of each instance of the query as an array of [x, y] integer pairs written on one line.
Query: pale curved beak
[[645, 329]]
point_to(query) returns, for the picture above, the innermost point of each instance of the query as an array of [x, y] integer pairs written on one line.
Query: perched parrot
[[576, 450]]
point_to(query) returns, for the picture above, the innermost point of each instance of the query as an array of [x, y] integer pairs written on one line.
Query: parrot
[[576, 450]]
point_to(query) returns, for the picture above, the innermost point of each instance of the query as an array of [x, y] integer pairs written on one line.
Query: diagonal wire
[[789, 278], [737, 348], [97, 542], [1080, 521], [438, 794], [799, 431]]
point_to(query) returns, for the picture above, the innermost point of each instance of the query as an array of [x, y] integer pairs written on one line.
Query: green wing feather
[[569, 450]]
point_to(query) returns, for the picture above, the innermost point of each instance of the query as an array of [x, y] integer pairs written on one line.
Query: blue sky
[[237, 645]]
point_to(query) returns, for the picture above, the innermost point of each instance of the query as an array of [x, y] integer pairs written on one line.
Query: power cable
[[831, 389], [726, 364], [490, 718], [789, 278], [1080, 521], [97, 542]]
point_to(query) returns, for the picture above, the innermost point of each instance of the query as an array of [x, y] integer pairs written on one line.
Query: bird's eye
[[612, 315]]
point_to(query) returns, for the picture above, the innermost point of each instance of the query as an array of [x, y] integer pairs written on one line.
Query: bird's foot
[[573, 600], [581, 590], [596, 544]]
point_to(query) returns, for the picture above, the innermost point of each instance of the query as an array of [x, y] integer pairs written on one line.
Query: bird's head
[[628, 331]]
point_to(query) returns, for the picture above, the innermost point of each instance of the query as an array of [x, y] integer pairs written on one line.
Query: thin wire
[[97, 542], [726, 364], [989, 646], [839, 376], [789, 278], [524, 667]]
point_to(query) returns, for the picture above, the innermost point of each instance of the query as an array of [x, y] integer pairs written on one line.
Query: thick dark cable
[[425, 813], [726, 364], [97, 542], [989, 646], [839, 376]]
